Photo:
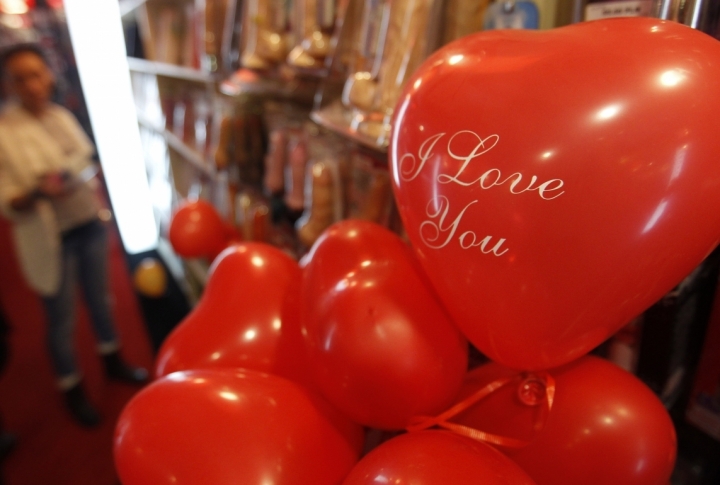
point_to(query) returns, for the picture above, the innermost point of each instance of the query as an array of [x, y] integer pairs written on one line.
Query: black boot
[[7, 444], [117, 369], [80, 408]]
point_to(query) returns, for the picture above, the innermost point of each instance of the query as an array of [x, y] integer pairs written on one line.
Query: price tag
[[606, 10]]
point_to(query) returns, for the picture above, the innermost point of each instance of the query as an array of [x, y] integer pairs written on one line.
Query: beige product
[[305, 17], [377, 202], [405, 48], [215, 13], [271, 45], [251, 60], [170, 30], [311, 53], [393, 42], [360, 91], [299, 57], [317, 44], [275, 160], [463, 17], [295, 176], [265, 33], [322, 211], [317, 21]]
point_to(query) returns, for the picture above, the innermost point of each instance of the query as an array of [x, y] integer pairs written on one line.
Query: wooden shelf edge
[[187, 153], [343, 130], [169, 70]]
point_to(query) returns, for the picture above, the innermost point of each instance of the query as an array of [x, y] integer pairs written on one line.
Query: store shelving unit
[[170, 70], [172, 85]]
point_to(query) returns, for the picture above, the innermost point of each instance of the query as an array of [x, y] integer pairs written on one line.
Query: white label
[[606, 10]]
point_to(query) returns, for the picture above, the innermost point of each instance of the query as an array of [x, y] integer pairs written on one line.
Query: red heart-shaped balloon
[[248, 316], [605, 426], [380, 347], [436, 458], [555, 184], [226, 427]]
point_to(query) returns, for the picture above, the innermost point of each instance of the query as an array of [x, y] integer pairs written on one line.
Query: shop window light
[[99, 46]]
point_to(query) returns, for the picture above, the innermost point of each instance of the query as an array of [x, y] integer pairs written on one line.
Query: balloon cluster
[[278, 367], [534, 240]]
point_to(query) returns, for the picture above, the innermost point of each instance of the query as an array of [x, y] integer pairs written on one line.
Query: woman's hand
[[55, 184]]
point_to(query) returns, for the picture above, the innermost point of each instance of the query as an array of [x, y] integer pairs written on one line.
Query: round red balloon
[[555, 184], [197, 230], [605, 426], [381, 348], [248, 316], [436, 458], [225, 427]]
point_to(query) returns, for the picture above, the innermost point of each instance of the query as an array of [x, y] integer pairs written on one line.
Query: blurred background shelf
[[169, 70], [187, 153]]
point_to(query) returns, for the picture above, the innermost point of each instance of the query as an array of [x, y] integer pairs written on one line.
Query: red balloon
[[381, 348], [229, 427], [197, 230], [248, 316], [436, 458], [555, 184], [605, 426]]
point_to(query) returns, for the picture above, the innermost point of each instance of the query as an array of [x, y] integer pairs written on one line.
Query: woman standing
[[45, 162]]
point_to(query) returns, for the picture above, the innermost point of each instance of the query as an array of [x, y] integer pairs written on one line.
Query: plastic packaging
[[372, 64]]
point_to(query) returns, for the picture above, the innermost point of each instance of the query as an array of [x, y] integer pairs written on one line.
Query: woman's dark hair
[[17, 49]]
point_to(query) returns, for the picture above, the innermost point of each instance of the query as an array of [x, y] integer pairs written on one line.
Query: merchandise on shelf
[[317, 20], [267, 33], [171, 33], [373, 63]]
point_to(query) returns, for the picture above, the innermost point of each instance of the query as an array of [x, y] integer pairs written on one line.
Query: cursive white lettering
[[437, 232], [410, 167], [409, 173], [482, 147]]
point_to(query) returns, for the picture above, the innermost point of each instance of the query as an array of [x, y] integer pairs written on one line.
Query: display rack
[[169, 70]]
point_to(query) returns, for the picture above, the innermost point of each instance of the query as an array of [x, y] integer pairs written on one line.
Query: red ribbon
[[420, 423]]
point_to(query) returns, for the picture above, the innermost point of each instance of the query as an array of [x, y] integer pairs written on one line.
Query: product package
[[372, 63], [216, 33], [368, 192], [323, 186], [172, 32], [267, 33], [316, 24]]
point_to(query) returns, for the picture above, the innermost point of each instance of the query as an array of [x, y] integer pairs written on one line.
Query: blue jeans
[[84, 260]]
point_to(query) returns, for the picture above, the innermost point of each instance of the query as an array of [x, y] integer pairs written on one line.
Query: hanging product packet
[[323, 189], [372, 63]]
